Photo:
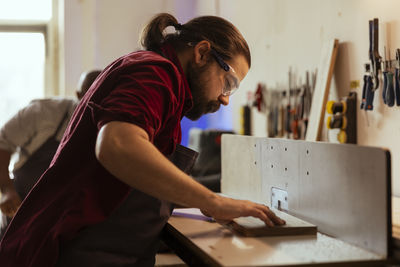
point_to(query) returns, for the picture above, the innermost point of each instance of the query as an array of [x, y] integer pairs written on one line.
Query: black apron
[[130, 235], [27, 175]]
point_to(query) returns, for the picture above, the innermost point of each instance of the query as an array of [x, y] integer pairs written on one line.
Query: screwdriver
[[397, 85], [397, 78], [385, 79], [389, 88], [363, 98], [364, 90], [369, 93]]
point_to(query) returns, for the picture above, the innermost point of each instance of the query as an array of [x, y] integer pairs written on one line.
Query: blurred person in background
[[32, 137]]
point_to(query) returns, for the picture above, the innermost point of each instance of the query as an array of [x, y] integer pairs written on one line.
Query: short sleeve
[[144, 97]]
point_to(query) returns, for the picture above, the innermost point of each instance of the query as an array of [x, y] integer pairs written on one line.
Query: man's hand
[[226, 209], [9, 201]]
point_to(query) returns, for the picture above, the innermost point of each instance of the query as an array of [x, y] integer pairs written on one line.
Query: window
[[23, 34]]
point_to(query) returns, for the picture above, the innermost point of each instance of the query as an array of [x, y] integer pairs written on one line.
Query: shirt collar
[[169, 52]]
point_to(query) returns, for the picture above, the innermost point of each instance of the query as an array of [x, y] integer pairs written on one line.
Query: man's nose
[[224, 100]]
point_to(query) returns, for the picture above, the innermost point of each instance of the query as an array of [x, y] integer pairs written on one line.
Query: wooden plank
[[250, 226], [321, 91]]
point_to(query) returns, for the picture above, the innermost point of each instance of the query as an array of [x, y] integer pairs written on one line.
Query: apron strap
[[27, 175], [60, 124], [23, 150]]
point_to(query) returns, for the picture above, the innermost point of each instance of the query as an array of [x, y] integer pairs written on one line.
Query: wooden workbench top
[[224, 248]]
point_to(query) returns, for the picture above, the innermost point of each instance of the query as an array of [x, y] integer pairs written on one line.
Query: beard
[[196, 77]]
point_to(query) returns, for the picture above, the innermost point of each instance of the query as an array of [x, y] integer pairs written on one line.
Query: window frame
[[49, 29]]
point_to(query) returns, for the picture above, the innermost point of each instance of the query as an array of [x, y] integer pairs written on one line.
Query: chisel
[[397, 78]]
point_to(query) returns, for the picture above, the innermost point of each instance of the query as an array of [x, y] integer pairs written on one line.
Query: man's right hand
[[9, 201], [226, 209]]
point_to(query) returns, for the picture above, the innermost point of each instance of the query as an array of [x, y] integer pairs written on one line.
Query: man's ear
[[201, 52]]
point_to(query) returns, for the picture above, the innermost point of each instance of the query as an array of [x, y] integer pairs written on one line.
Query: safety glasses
[[232, 82]]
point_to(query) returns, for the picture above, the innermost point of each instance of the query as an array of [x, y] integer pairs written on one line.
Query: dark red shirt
[[142, 88]]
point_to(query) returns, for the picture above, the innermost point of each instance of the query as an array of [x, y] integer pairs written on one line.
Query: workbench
[[353, 214], [203, 243]]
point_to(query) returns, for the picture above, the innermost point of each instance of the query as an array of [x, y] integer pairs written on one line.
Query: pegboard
[[343, 189]]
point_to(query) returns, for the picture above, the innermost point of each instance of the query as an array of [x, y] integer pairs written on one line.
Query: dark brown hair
[[224, 37]]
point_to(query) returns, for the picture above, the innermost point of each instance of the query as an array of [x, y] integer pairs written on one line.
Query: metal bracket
[[279, 199]]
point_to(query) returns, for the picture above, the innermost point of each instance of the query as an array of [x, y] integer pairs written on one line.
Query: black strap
[[60, 124], [23, 150]]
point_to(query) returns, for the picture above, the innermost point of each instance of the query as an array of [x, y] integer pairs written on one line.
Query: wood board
[[254, 227], [321, 91]]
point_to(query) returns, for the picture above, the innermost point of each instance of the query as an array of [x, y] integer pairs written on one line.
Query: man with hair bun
[[119, 166]]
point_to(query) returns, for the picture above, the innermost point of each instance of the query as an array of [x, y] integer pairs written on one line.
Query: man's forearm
[[125, 151]]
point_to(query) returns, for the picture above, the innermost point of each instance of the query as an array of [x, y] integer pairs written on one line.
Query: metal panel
[[343, 189], [244, 183]]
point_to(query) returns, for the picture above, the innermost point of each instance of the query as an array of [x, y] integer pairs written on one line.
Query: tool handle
[[376, 58], [371, 37], [397, 85], [390, 90], [364, 90], [376, 38], [295, 129], [369, 94], [276, 120], [333, 107], [288, 119], [337, 121], [384, 88]]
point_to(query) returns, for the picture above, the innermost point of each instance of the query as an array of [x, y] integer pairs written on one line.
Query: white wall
[[285, 33], [99, 31], [281, 33]]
